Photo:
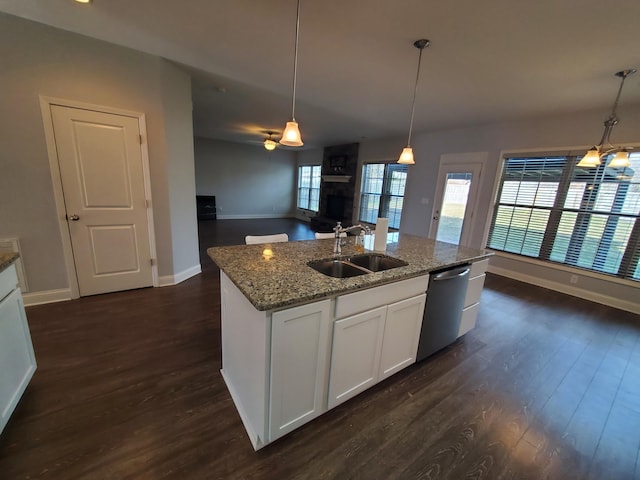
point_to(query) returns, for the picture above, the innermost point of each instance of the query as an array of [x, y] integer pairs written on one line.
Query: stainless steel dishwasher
[[443, 310]]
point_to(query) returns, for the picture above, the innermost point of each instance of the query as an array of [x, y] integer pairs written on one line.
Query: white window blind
[[549, 208], [309, 187]]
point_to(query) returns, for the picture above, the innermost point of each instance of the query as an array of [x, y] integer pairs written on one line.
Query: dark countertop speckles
[[284, 279], [7, 259]]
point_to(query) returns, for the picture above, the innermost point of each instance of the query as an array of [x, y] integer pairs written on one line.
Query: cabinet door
[[355, 357], [17, 362], [299, 365], [401, 335]]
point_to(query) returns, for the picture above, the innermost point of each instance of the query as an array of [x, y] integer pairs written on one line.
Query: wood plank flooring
[[128, 387]]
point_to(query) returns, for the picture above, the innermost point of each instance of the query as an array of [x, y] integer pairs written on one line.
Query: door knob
[[75, 218]]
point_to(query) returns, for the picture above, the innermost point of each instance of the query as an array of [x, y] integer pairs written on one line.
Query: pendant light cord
[[420, 44], [295, 65]]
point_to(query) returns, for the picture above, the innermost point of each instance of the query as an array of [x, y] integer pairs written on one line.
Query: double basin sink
[[356, 265]]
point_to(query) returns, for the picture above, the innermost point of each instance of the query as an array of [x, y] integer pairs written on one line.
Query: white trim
[[566, 268], [255, 215], [52, 152], [168, 280], [568, 289], [46, 296]]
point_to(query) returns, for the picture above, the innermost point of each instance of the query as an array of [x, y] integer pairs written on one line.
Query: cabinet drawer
[[469, 316], [478, 268], [474, 290], [370, 298], [8, 281]]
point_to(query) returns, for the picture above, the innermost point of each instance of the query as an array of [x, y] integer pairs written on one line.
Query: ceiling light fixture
[[83, 1], [406, 157], [621, 159], [291, 135], [270, 143]]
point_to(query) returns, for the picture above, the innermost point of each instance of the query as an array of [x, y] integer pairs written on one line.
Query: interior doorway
[[101, 181]]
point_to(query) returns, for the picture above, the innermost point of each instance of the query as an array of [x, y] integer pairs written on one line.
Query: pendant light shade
[[406, 157], [291, 136], [621, 158]]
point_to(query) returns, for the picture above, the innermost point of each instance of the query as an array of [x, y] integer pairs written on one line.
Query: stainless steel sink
[[356, 265], [377, 262], [337, 268]]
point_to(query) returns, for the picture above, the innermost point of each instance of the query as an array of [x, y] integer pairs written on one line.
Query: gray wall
[[248, 181], [40, 60], [560, 132]]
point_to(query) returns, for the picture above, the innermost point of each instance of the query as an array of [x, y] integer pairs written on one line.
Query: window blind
[[549, 208]]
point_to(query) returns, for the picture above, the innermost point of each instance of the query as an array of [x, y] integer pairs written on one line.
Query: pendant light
[[406, 157], [621, 159], [291, 134], [270, 143]]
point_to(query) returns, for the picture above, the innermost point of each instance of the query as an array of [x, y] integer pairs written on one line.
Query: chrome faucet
[[339, 230]]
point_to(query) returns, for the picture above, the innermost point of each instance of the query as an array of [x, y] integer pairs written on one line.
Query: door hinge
[[141, 141], [147, 203], [152, 261]]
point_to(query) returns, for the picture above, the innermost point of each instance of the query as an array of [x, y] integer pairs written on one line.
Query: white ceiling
[[488, 61]]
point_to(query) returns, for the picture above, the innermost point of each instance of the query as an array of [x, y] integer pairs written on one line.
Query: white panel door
[[355, 357], [401, 335], [101, 168], [299, 365]]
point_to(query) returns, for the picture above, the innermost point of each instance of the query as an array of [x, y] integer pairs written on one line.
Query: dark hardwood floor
[[128, 387]]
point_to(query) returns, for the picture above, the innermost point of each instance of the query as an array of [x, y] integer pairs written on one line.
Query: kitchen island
[[296, 342]]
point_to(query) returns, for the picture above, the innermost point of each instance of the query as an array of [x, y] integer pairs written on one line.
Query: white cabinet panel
[[355, 358], [469, 316], [474, 290], [17, 361], [383, 295], [300, 342], [401, 334], [478, 268]]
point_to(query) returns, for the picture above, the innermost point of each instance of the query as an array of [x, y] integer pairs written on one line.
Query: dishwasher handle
[[451, 274]]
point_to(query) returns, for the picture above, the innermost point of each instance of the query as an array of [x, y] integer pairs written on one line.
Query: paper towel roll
[[382, 228]]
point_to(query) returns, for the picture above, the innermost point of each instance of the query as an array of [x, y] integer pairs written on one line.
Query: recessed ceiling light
[[83, 1]]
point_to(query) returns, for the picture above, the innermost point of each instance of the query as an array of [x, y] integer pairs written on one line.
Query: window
[[309, 187], [549, 208], [382, 192]]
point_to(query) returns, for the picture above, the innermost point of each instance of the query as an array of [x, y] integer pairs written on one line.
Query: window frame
[[386, 197], [628, 263], [309, 197]]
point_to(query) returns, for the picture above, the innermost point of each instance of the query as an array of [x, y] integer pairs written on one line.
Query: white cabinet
[[17, 361], [472, 298], [300, 342], [355, 356], [373, 345], [401, 335], [275, 364]]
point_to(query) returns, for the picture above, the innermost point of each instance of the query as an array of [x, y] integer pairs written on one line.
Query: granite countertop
[[284, 279], [7, 259]]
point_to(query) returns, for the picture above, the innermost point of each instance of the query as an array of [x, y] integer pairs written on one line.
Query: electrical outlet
[[573, 279]]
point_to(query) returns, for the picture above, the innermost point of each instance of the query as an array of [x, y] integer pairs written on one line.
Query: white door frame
[[462, 162], [61, 212]]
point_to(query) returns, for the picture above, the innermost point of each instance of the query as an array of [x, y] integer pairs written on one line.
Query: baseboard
[[167, 280], [568, 289], [255, 216], [46, 296]]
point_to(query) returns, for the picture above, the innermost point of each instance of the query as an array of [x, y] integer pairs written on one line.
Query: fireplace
[[335, 207]]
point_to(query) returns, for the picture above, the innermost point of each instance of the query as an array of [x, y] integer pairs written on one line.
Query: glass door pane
[[454, 206]]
